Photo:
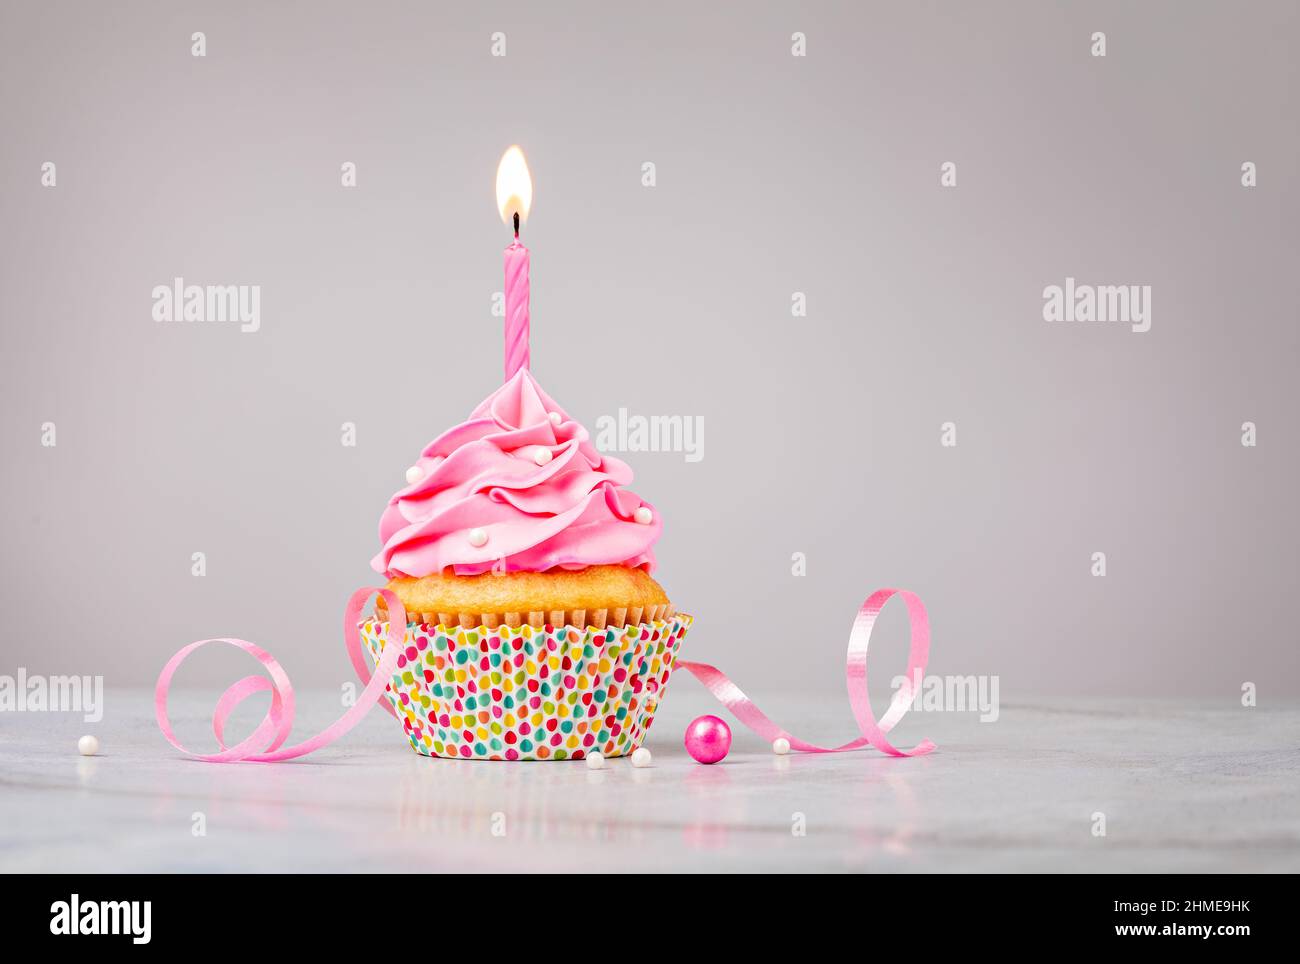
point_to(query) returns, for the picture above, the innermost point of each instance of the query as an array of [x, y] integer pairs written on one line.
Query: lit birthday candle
[[514, 198]]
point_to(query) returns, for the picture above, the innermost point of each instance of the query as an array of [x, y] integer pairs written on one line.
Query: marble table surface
[[1182, 787]]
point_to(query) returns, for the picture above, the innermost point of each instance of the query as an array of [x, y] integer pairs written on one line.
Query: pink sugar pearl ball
[[708, 739]]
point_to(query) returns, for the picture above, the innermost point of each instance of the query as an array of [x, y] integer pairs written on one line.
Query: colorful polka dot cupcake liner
[[525, 693]]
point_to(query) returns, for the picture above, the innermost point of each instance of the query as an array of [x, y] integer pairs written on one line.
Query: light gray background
[[775, 175]]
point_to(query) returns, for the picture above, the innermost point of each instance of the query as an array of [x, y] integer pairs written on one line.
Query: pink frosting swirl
[[568, 513]]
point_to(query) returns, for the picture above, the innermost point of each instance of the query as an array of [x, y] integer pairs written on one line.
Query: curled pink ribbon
[[855, 674], [263, 745]]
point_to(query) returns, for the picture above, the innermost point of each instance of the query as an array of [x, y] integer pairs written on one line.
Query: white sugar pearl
[[595, 761], [643, 515], [556, 418], [88, 745], [641, 757], [477, 538], [414, 474], [542, 455], [780, 746]]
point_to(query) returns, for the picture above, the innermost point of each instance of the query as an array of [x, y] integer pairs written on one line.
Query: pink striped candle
[[516, 261], [514, 199]]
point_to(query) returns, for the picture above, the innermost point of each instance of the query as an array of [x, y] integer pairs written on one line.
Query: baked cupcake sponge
[[595, 596]]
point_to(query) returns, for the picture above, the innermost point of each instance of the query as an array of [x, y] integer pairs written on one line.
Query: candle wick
[[516, 225]]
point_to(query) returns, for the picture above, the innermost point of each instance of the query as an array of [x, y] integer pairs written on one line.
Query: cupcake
[[535, 629]]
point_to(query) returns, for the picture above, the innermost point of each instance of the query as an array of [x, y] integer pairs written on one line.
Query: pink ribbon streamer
[[855, 674], [263, 745]]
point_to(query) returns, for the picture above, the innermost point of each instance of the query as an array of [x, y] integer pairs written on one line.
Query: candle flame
[[514, 185]]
